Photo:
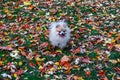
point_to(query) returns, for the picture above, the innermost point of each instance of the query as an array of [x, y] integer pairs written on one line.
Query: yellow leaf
[[31, 36], [1, 63], [5, 33], [113, 40], [57, 63], [40, 67], [15, 75], [20, 63], [53, 19], [59, 51], [80, 78], [117, 46], [118, 60], [26, 3], [38, 28], [52, 69], [68, 5], [59, 68], [32, 19], [6, 10], [38, 59], [94, 27], [61, 14]]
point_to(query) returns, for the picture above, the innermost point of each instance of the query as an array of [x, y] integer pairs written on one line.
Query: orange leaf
[[105, 78], [21, 48], [30, 7], [67, 65], [45, 44], [109, 34], [75, 51], [64, 59]]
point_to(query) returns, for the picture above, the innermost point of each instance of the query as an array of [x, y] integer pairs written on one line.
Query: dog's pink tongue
[[61, 36]]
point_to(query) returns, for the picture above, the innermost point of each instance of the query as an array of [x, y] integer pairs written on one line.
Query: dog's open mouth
[[61, 35]]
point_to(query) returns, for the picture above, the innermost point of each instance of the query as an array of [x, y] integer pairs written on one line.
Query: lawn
[[93, 52]]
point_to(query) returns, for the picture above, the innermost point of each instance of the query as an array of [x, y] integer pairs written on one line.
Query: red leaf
[[21, 41], [86, 60], [29, 56], [77, 36], [0, 47], [32, 64], [101, 73], [36, 35], [104, 78], [6, 48], [67, 65], [24, 53], [87, 72], [19, 72], [117, 69], [110, 45], [9, 48]]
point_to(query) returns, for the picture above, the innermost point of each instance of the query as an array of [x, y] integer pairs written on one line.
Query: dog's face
[[61, 30]]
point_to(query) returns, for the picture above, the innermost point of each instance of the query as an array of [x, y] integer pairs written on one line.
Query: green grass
[[21, 21]]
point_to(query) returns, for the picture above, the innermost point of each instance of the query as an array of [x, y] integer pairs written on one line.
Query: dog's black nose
[[62, 33]]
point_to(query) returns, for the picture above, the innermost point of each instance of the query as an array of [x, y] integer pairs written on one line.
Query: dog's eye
[[57, 26], [65, 25], [64, 31]]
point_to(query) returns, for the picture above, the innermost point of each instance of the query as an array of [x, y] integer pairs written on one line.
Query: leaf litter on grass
[[93, 52]]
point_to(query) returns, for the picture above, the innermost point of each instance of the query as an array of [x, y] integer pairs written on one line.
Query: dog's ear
[[51, 25], [57, 26], [64, 20]]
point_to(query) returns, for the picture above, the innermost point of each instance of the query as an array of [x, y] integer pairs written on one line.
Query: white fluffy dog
[[59, 34]]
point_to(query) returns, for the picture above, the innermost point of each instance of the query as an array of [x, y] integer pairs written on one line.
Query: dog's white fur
[[55, 39]]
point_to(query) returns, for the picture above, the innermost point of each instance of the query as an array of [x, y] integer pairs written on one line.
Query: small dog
[[59, 34]]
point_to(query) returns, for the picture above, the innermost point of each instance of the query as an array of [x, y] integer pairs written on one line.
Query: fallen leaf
[[45, 44], [32, 64], [19, 72]]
